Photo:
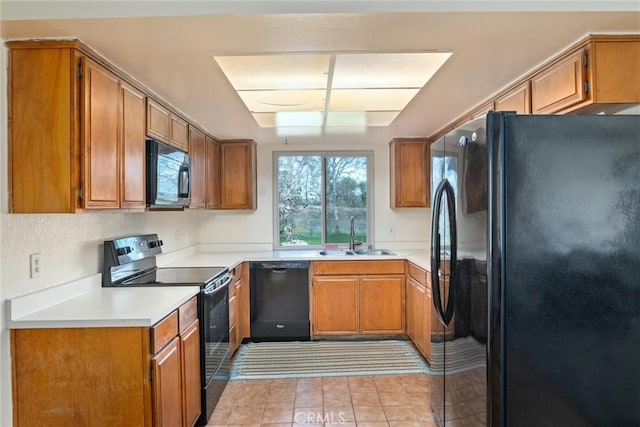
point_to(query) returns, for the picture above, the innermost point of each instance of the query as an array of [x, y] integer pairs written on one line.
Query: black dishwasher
[[279, 300]]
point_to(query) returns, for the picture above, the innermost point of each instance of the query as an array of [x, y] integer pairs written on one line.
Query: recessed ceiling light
[[329, 90]]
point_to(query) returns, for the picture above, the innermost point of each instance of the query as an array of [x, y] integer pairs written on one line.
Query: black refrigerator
[[535, 270]]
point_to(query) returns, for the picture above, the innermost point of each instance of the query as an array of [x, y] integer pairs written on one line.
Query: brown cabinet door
[[410, 173], [335, 305], [425, 320], [197, 153], [419, 310], [381, 304], [167, 386], [132, 160], [244, 321], [518, 100], [190, 352], [100, 136], [179, 133], [410, 309], [560, 86], [158, 123], [238, 175], [42, 110], [212, 185]]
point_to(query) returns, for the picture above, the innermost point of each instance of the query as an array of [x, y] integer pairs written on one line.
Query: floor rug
[[274, 360]]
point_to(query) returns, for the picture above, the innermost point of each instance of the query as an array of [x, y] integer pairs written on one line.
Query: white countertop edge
[[24, 305]]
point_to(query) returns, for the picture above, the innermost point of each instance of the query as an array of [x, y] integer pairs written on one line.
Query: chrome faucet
[[352, 236]]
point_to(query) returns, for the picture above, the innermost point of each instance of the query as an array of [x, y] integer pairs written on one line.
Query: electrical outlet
[[177, 235], [36, 267], [391, 230]]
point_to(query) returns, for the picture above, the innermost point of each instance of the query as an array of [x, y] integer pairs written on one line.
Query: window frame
[[323, 154]]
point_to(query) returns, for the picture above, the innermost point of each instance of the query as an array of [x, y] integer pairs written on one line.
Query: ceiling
[[493, 43]]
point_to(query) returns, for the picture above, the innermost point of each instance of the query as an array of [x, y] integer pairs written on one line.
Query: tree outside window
[[318, 194]]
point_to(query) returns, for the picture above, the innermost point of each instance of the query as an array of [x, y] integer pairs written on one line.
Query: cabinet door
[[419, 310], [410, 173], [167, 386], [426, 324], [335, 305], [238, 175], [381, 304], [244, 321], [100, 137], [518, 100], [560, 86], [132, 160], [158, 123], [197, 153], [410, 308], [179, 133], [212, 186], [190, 352]]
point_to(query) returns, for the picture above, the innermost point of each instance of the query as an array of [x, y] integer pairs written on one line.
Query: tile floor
[[402, 400]]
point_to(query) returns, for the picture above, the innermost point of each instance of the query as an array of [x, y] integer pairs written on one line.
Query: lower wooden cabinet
[[419, 316], [346, 303], [113, 376], [335, 305], [167, 385]]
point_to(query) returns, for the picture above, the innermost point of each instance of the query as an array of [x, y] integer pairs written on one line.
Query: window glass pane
[[346, 196], [444, 167], [300, 198]]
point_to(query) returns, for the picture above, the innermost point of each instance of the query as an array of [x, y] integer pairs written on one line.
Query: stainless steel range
[[131, 261]]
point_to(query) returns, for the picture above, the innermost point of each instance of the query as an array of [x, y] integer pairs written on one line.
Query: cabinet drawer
[[358, 267], [164, 331], [187, 314], [418, 274]]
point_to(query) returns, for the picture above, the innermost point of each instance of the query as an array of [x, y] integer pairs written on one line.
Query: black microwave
[[168, 176]]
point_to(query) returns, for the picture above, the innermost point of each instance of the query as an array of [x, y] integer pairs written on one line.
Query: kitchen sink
[[360, 252], [335, 252], [372, 252]]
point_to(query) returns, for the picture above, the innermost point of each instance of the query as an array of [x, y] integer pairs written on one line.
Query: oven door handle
[[210, 290]]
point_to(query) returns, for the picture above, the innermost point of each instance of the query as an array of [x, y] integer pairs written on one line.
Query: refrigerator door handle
[[444, 189]]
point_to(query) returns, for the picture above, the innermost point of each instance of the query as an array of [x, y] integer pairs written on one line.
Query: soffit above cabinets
[[320, 90]]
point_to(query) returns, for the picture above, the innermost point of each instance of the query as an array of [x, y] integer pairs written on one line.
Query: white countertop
[[204, 258], [84, 303], [101, 307]]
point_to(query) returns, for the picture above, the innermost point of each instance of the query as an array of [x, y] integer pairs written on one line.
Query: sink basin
[[335, 252], [372, 252]]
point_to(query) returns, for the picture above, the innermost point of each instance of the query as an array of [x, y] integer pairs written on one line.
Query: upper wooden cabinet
[[179, 133], [165, 126], [100, 111], [158, 121], [197, 154], [603, 72], [74, 133], [238, 180], [410, 173], [518, 99], [560, 86], [132, 158], [212, 186]]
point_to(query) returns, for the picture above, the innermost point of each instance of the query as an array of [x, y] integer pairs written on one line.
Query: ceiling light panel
[[295, 71], [267, 101], [386, 70], [370, 99]]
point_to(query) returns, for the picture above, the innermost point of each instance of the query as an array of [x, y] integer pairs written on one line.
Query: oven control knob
[[155, 243], [124, 250]]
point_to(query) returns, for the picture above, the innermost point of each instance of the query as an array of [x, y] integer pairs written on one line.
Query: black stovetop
[[177, 276]]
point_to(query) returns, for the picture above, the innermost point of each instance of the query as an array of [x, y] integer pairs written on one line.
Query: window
[[318, 194], [444, 165]]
